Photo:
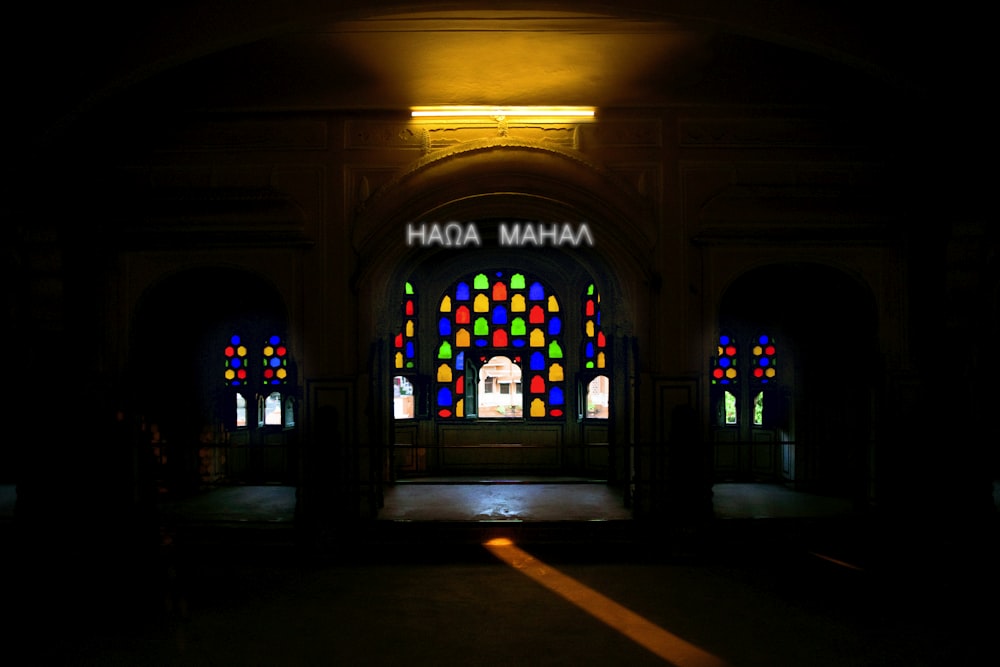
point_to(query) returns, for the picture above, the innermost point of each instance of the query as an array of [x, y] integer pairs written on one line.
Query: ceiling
[[388, 55]]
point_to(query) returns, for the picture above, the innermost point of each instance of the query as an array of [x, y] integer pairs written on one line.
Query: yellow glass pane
[[518, 304], [281, 373], [770, 372], [399, 360], [757, 350], [731, 373], [462, 338], [481, 304], [538, 408], [537, 338], [230, 374], [590, 328], [241, 351], [553, 305], [444, 373], [268, 351], [446, 304], [555, 373], [409, 328], [460, 408], [600, 360]]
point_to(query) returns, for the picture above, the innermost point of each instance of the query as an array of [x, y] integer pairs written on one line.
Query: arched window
[[257, 386], [595, 383], [757, 371], [489, 324], [404, 354]]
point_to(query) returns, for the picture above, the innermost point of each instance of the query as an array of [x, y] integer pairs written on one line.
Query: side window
[[404, 358]]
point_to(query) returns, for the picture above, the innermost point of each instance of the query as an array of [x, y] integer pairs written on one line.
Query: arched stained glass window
[[235, 355], [594, 349], [405, 343], [496, 313], [724, 369]]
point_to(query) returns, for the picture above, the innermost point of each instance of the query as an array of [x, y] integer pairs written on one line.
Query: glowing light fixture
[[538, 113]]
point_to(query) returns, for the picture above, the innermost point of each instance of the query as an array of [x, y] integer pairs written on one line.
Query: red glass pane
[[601, 342], [499, 338], [731, 351], [588, 308], [399, 340], [537, 385], [462, 315], [499, 292], [409, 307], [537, 315]]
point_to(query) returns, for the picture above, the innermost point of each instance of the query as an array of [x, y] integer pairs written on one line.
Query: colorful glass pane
[[762, 360], [235, 362], [494, 296], [724, 363]]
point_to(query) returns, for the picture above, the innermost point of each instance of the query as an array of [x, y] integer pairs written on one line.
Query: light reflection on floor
[[664, 644]]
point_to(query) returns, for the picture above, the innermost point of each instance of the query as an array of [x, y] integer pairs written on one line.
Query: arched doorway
[[216, 386], [792, 392], [489, 185]]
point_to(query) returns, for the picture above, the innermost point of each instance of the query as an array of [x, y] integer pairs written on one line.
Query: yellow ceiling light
[[552, 114]]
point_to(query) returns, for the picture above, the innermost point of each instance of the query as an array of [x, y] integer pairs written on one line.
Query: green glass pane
[[481, 282], [590, 289], [444, 352], [517, 281], [482, 328], [409, 288], [555, 352], [518, 327]]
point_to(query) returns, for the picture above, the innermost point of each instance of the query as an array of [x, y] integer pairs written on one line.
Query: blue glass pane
[[235, 340], [275, 362], [444, 397], [588, 350], [482, 342], [537, 292], [409, 350], [499, 315], [537, 361], [462, 292], [723, 340], [274, 340], [555, 326], [444, 326], [724, 362], [763, 340], [556, 396], [764, 361], [235, 362], [460, 361], [518, 342]]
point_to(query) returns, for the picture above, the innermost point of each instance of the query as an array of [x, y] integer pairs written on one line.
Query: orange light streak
[[664, 644]]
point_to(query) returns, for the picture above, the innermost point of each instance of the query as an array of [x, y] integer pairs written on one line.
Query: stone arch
[[827, 324], [503, 179], [177, 319]]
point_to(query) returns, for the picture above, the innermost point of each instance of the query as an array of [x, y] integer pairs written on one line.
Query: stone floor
[[779, 582]]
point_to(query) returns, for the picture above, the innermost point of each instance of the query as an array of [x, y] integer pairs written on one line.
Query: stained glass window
[[275, 362], [724, 369], [594, 353], [762, 353], [493, 317], [405, 342], [235, 361]]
